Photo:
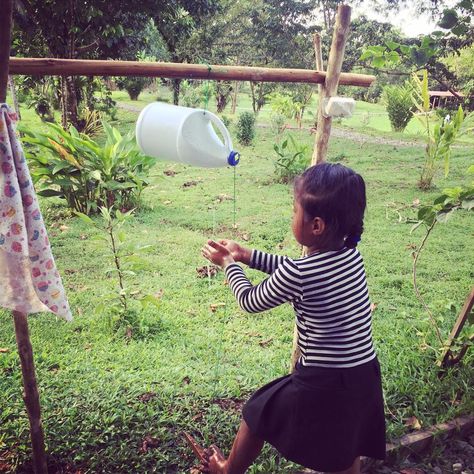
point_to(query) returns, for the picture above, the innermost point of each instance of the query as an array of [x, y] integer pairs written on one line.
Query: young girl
[[329, 411]]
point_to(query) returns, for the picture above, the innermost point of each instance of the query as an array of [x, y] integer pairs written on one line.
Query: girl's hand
[[240, 254], [217, 254]]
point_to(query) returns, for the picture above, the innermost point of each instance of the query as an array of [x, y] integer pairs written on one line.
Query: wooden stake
[[30, 394], [460, 322], [5, 42], [318, 52], [333, 76], [89, 67]]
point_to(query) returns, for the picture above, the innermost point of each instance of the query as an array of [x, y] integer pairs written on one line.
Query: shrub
[[192, 95], [133, 85], [277, 122], [86, 174], [226, 120], [246, 128], [293, 159], [400, 105]]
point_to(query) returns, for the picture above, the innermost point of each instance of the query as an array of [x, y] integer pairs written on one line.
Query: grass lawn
[[115, 407]]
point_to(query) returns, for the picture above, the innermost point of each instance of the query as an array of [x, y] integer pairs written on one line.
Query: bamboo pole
[[318, 53], [296, 351], [457, 328], [5, 42], [320, 67], [25, 350], [82, 67], [30, 394], [333, 79]]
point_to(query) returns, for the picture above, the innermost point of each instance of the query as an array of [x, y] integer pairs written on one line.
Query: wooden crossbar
[[89, 67]]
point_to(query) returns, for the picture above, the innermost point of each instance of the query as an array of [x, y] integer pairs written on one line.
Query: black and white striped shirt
[[328, 291]]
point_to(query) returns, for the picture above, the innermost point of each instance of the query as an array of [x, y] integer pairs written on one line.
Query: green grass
[[190, 358]]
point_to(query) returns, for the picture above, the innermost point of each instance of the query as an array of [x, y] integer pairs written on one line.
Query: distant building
[[444, 98]]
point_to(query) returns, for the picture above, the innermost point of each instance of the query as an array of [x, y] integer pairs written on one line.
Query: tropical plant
[[293, 159], [88, 175], [193, 95], [277, 122], [441, 133], [399, 103], [246, 128], [126, 262], [134, 85]]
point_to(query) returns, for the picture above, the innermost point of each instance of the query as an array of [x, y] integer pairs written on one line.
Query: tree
[[96, 29], [429, 52]]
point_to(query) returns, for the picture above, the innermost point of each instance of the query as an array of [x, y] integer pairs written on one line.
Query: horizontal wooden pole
[[83, 67]]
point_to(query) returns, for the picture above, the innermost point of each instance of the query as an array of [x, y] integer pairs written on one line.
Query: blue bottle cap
[[234, 158]]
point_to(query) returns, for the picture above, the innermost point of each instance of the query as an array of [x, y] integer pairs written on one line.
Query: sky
[[408, 20]]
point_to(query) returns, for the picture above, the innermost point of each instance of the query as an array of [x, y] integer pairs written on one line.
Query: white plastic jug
[[185, 135]]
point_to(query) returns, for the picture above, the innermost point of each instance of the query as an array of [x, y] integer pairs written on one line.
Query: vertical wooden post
[[460, 322], [30, 394], [329, 88], [318, 52], [296, 352], [5, 41], [25, 351]]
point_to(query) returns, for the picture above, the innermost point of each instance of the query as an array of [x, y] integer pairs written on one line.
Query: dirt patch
[[229, 404]]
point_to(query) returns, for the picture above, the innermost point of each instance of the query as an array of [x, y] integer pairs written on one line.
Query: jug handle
[[234, 157]]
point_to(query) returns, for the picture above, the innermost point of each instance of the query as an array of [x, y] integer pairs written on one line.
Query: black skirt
[[322, 418]]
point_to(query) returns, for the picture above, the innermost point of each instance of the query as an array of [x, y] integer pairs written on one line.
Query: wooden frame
[[82, 67]]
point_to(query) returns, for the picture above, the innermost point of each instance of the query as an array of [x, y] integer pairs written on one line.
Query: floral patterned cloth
[[29, 281]]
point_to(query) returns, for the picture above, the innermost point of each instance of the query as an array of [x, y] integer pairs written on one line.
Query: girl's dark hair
[[336, 194]]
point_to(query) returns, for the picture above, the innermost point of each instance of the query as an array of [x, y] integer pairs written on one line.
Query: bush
[[133, 85], [293, 159], [277, 122], [400, 105], [226, 120], [86, 174], [192, 95], [246, 128]]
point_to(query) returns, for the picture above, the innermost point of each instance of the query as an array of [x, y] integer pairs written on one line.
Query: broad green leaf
[[85, 218], [392, 45], [150, 300], [50, 193]]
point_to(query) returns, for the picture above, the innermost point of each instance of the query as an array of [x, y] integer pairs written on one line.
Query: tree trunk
[[234, 96], [176, 88], [11, 84], [254, 99], [69, 114]]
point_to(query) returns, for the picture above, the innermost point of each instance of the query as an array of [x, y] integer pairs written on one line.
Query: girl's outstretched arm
[[283, 285], [264, 262]]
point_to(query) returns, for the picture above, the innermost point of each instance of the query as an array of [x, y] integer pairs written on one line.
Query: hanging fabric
[[29, 280]]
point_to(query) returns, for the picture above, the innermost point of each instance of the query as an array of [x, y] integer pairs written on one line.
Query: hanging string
[[235, 202]]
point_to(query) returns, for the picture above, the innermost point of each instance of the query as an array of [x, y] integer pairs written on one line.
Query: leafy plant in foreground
[[442, 208], [292, 159], [126, 262], [88, 175]]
